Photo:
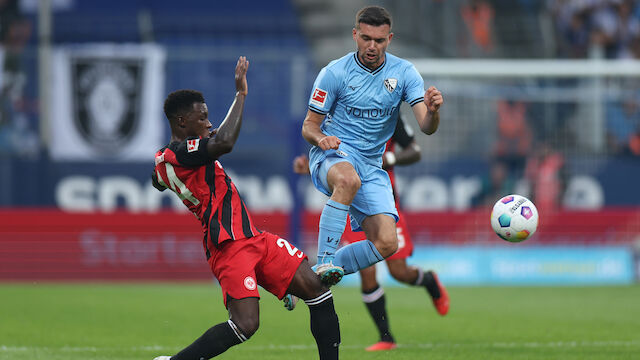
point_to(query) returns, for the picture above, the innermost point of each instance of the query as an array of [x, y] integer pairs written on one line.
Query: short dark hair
[[181, 102], [374, 16]]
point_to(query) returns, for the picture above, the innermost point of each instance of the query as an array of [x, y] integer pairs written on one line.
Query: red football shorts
[[405, 246], [266, 260]]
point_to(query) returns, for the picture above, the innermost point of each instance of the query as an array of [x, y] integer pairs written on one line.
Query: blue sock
[[332, 223], [356, 256]]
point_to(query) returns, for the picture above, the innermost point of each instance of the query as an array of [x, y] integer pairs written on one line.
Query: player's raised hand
[[301, 165], [241, 75], [329, 142], [433, 99]]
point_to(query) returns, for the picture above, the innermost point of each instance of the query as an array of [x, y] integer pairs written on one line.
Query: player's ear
[[180, 121]]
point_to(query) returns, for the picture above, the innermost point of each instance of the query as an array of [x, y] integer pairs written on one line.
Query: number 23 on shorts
[[292, 250]]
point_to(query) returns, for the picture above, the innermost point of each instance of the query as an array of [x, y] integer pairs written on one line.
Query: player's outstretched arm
[[428, 112], [312, 133], [227, 134]]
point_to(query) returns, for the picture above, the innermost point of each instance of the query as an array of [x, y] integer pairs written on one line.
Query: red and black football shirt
[[206, 189]]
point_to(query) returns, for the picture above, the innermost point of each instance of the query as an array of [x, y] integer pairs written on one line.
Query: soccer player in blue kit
[[352, 113]]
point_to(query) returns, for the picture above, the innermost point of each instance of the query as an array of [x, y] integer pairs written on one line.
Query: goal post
[[574, 94], [501, 68]]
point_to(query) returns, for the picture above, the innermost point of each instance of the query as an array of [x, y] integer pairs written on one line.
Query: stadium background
[[83, 85]]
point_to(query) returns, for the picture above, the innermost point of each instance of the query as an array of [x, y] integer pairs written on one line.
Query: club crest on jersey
[[390, 84], [249, 283], [193, 145], [319, 97]]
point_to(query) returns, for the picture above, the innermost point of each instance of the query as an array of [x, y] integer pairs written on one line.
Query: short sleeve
[[191, 152], [414, 90], [325, 92]]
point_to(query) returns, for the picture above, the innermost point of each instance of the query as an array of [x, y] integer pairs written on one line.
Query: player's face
[[372, 43], [197, 121]]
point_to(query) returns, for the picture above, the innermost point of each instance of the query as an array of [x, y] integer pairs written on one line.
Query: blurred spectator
[[509, 155], [606, 28], [514, 136], [478, 17], [546, 174], [15, 31], [623, 127], [497, 184], [628, 30], [604, 23], [634, 48], [574, 31]]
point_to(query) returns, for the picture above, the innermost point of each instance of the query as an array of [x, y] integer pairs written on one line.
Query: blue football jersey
[[361, 105]]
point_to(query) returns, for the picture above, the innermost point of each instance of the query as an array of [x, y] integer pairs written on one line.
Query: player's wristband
[[390, 158]]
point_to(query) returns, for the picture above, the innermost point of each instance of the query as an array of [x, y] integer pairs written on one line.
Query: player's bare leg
[[374, 298], [415, 276], [344, 183], [381, 230]]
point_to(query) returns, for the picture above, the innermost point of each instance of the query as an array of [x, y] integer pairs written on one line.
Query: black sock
[[324, 325], [376, 304], [426, 279], [213, 342]]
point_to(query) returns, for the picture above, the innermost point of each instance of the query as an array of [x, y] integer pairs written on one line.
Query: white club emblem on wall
[[106, 102]]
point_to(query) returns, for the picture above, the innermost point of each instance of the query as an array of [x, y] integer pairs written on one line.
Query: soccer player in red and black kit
[[372, 292], [240, 256]]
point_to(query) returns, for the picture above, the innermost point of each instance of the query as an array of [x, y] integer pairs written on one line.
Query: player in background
[[352, 113], [240, 256], [372, 292]]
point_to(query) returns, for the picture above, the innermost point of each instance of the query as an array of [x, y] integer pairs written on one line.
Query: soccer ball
[[514, 218]]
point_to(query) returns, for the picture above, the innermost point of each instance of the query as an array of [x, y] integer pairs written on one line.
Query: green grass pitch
[[141, 321]]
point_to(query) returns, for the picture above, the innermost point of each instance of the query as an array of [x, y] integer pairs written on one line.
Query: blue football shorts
[[375, 195]]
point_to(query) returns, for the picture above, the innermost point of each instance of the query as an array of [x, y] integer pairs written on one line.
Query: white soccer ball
[[514, 218]]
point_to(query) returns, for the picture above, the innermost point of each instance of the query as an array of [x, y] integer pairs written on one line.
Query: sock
[[376, 304], [213, 342], [356, 256], [332, 223], [324, 325], [427, 280]]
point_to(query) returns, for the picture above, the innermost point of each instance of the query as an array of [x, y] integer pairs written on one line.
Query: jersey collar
[[374, 71]]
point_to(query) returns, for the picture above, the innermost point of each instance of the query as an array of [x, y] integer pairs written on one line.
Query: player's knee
[[389, 250], [387, 246], [347, 182], [248, 325]]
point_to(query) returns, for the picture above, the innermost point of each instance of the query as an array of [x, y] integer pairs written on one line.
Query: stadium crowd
[[601, 28]]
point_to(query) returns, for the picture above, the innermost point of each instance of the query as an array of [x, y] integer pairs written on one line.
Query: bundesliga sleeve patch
[[193, 145], [319, 97]]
